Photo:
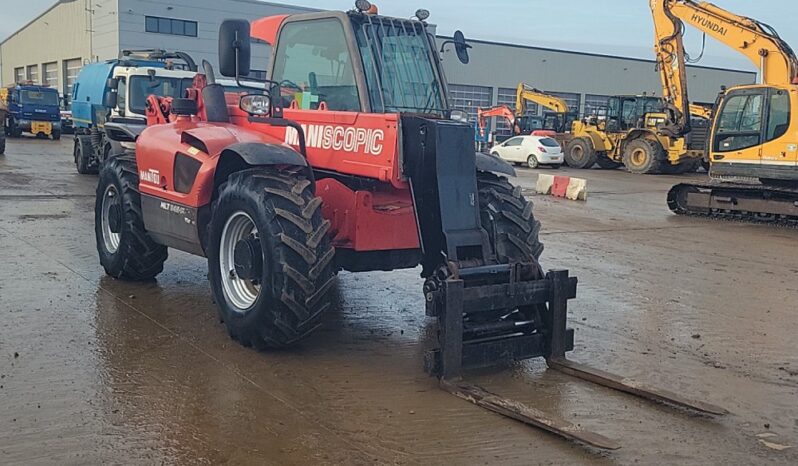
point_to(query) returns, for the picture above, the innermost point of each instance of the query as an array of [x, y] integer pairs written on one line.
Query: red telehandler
[[347, 158]]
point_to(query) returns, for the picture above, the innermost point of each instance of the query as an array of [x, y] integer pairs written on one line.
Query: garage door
[[71, 70], [469, 98], [572, 99], [506, 96], [594, 103], [50, 74]]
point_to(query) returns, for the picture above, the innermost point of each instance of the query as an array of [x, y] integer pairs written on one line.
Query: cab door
[[779, 151], [739, 128]]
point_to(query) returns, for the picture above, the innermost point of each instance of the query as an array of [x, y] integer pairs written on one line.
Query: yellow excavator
[[753, 136], [557, 119]]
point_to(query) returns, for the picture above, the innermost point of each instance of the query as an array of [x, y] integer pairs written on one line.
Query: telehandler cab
[[350, 160]]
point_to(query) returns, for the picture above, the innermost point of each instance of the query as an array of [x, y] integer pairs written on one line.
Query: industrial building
[[80, 31]]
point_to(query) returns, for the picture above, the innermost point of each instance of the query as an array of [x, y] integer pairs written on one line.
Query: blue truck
[[31, 108], [116, 91]]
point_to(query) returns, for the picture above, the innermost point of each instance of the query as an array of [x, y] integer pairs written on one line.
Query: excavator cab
[[756, 124], [625, 113]]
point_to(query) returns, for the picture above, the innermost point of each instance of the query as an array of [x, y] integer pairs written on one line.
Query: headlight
[[255, 104], [128, 145], [459, 115]]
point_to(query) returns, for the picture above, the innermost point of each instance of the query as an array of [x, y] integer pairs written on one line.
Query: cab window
[[740, 122], [779, 115], [514, 142], [313, 64], [121, 96]]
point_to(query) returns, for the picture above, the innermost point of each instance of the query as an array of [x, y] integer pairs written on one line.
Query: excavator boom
[[526, 94]]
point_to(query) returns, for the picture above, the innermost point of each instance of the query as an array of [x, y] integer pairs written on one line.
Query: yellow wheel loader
[[633, 132]]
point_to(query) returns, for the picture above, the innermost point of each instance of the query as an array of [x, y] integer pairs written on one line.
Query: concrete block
[[544, 183], [560, 186], [577, 189]]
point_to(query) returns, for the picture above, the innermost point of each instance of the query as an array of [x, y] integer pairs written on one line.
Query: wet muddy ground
[[94, 370]]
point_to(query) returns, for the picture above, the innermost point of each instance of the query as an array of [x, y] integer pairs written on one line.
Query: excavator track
[[753, 203]]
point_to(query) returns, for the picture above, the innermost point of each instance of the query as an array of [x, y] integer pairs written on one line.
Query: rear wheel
[[532, 162], [82, 154], [579, 153], [126, 250], [270, 260], [644, 156]]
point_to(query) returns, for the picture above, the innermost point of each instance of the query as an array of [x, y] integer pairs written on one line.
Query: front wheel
[[82, 155], [579, 153], [643, 156], [56, 135], [126, 250], [270, 261]]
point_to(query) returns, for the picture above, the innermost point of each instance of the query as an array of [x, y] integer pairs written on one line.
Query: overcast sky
[[618, 27]]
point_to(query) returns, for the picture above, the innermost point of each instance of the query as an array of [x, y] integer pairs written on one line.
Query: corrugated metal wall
[[584, 80], [59, 34]]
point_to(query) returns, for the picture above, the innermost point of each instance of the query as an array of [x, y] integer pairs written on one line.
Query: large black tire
[[579, 153], [606, 163], [82, 155], [291, 277], [56, 135], [507, 217], [2, 144], [644, 156], [137, 256]]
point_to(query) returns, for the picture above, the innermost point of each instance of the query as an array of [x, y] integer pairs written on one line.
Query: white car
[[531, 150]]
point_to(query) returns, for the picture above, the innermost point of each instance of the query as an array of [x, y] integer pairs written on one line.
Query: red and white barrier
[[562, 186]]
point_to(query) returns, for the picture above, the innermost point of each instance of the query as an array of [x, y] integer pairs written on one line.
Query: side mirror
[[112, 83], [234, 47], [460, 47], [110, 99]]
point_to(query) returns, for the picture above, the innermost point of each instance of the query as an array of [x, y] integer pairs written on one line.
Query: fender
[[239, 155], [599, 140], [123, 132], [490, 163]]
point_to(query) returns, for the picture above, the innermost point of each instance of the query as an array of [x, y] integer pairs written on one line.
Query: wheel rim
[[638, 157], [532, 162], [110, 201], [242, 293], [577, 153]]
